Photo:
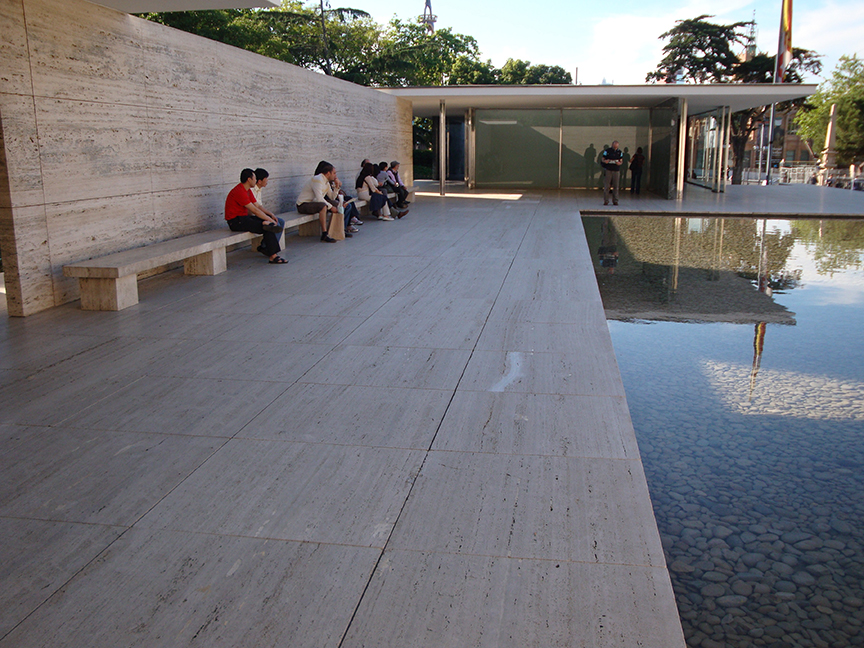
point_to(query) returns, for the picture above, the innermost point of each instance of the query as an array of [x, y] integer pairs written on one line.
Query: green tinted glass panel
[[587, 132], [517, 148]]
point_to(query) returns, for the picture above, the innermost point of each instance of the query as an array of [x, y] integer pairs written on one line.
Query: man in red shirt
[[243, 215]]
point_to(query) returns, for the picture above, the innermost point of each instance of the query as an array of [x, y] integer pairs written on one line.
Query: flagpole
[[784, 50]]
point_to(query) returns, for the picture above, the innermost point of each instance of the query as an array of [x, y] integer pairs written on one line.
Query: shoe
[[605, 202], [387, 218], [352, 230], [356, 221], [349, 235], [614, 202], [326, 238], [402, 213], [275, 228]]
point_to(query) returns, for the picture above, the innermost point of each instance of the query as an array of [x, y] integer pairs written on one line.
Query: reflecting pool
[[741, 346]]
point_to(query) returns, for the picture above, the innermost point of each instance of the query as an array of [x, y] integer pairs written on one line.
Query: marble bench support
[[111, 282]]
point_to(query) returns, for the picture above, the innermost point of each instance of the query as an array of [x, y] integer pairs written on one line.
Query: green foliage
[[837, 245], [348, 44], [468, 71], [846, 89], [699, 51], [518, 72], [702, 52]]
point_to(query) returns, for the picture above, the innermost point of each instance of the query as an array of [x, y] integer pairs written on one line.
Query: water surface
[[741, 347]]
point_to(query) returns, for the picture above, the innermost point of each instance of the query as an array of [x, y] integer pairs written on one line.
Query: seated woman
[[367, 189], [385, 183]]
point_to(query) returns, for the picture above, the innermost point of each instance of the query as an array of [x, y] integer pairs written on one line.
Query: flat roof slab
[[700, 97]]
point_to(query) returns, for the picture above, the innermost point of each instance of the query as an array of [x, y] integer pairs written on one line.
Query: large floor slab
[[183, 589], [416, 437]]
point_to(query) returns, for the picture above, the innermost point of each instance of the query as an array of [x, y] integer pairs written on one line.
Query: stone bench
[[411, 191], [110, 283], [308, 225]]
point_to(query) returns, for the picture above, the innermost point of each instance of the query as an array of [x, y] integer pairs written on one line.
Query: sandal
[[278, 260]]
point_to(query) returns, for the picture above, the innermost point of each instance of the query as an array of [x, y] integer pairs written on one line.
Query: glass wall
[[706, 151], [517, 148], [586, 133], [553, 148], [662, 154]]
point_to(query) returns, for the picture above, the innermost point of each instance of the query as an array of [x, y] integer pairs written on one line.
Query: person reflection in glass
[[607, 253], [590, 157]]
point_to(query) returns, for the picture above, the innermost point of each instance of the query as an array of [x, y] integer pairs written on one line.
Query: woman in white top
[[367, 189]]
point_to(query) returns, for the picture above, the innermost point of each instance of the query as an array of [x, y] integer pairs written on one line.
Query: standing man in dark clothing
[[611, 161], [636, 165]]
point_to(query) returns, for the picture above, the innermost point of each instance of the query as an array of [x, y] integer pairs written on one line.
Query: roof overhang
[[700, 98], [146, 6]]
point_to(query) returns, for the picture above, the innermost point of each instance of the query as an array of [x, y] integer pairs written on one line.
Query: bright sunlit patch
[[773, 392], [429, 194]]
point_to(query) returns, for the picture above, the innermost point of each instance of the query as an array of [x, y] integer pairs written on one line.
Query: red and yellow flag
[[784, 49]]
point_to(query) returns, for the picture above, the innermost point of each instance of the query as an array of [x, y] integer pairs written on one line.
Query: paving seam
[[434, 436]]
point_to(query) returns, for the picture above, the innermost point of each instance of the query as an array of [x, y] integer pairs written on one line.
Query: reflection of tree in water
[[712, 243], [836, 244], [745, 251], [695, 267]]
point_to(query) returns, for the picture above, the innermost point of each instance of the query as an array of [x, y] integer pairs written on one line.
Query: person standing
[[611, 161], [636, 164]]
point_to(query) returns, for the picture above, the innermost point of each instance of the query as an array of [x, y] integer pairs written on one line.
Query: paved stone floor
[[417, 437]]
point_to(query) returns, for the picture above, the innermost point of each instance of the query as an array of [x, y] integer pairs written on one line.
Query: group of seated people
[[321, 195], [373, 184]]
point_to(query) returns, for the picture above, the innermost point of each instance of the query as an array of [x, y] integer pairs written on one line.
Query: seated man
[[398, 186], [261, 176], [319, 196], [244, 216]]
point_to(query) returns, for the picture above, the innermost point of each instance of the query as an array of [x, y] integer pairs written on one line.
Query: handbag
[[337, 223]]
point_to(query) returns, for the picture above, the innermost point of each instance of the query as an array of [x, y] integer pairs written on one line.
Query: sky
[[619, 41]]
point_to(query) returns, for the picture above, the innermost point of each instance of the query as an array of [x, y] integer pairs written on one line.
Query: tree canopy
[[699, 51], [846, 89], [348, 44]]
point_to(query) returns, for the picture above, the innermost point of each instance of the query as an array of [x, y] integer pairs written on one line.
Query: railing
[[792, 173]]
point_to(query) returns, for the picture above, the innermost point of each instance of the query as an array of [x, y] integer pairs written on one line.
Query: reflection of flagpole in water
[[763, 261], [758, 345], [677, 255]]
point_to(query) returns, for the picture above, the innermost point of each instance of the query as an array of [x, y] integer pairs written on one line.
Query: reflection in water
[[746, 391]]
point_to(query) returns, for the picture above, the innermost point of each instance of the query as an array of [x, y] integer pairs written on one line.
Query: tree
[[346, 43], [327, 39], [701, 52], [468, 71], [519, 72], [760, 69], [846, 89]]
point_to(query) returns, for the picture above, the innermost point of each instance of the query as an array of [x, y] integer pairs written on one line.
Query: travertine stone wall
[[117, 132]]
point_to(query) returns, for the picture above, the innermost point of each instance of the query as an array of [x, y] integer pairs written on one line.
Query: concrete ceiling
[[700, 98], [145, 6]]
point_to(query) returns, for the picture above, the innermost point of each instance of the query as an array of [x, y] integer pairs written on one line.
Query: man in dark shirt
[[611, 161]]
